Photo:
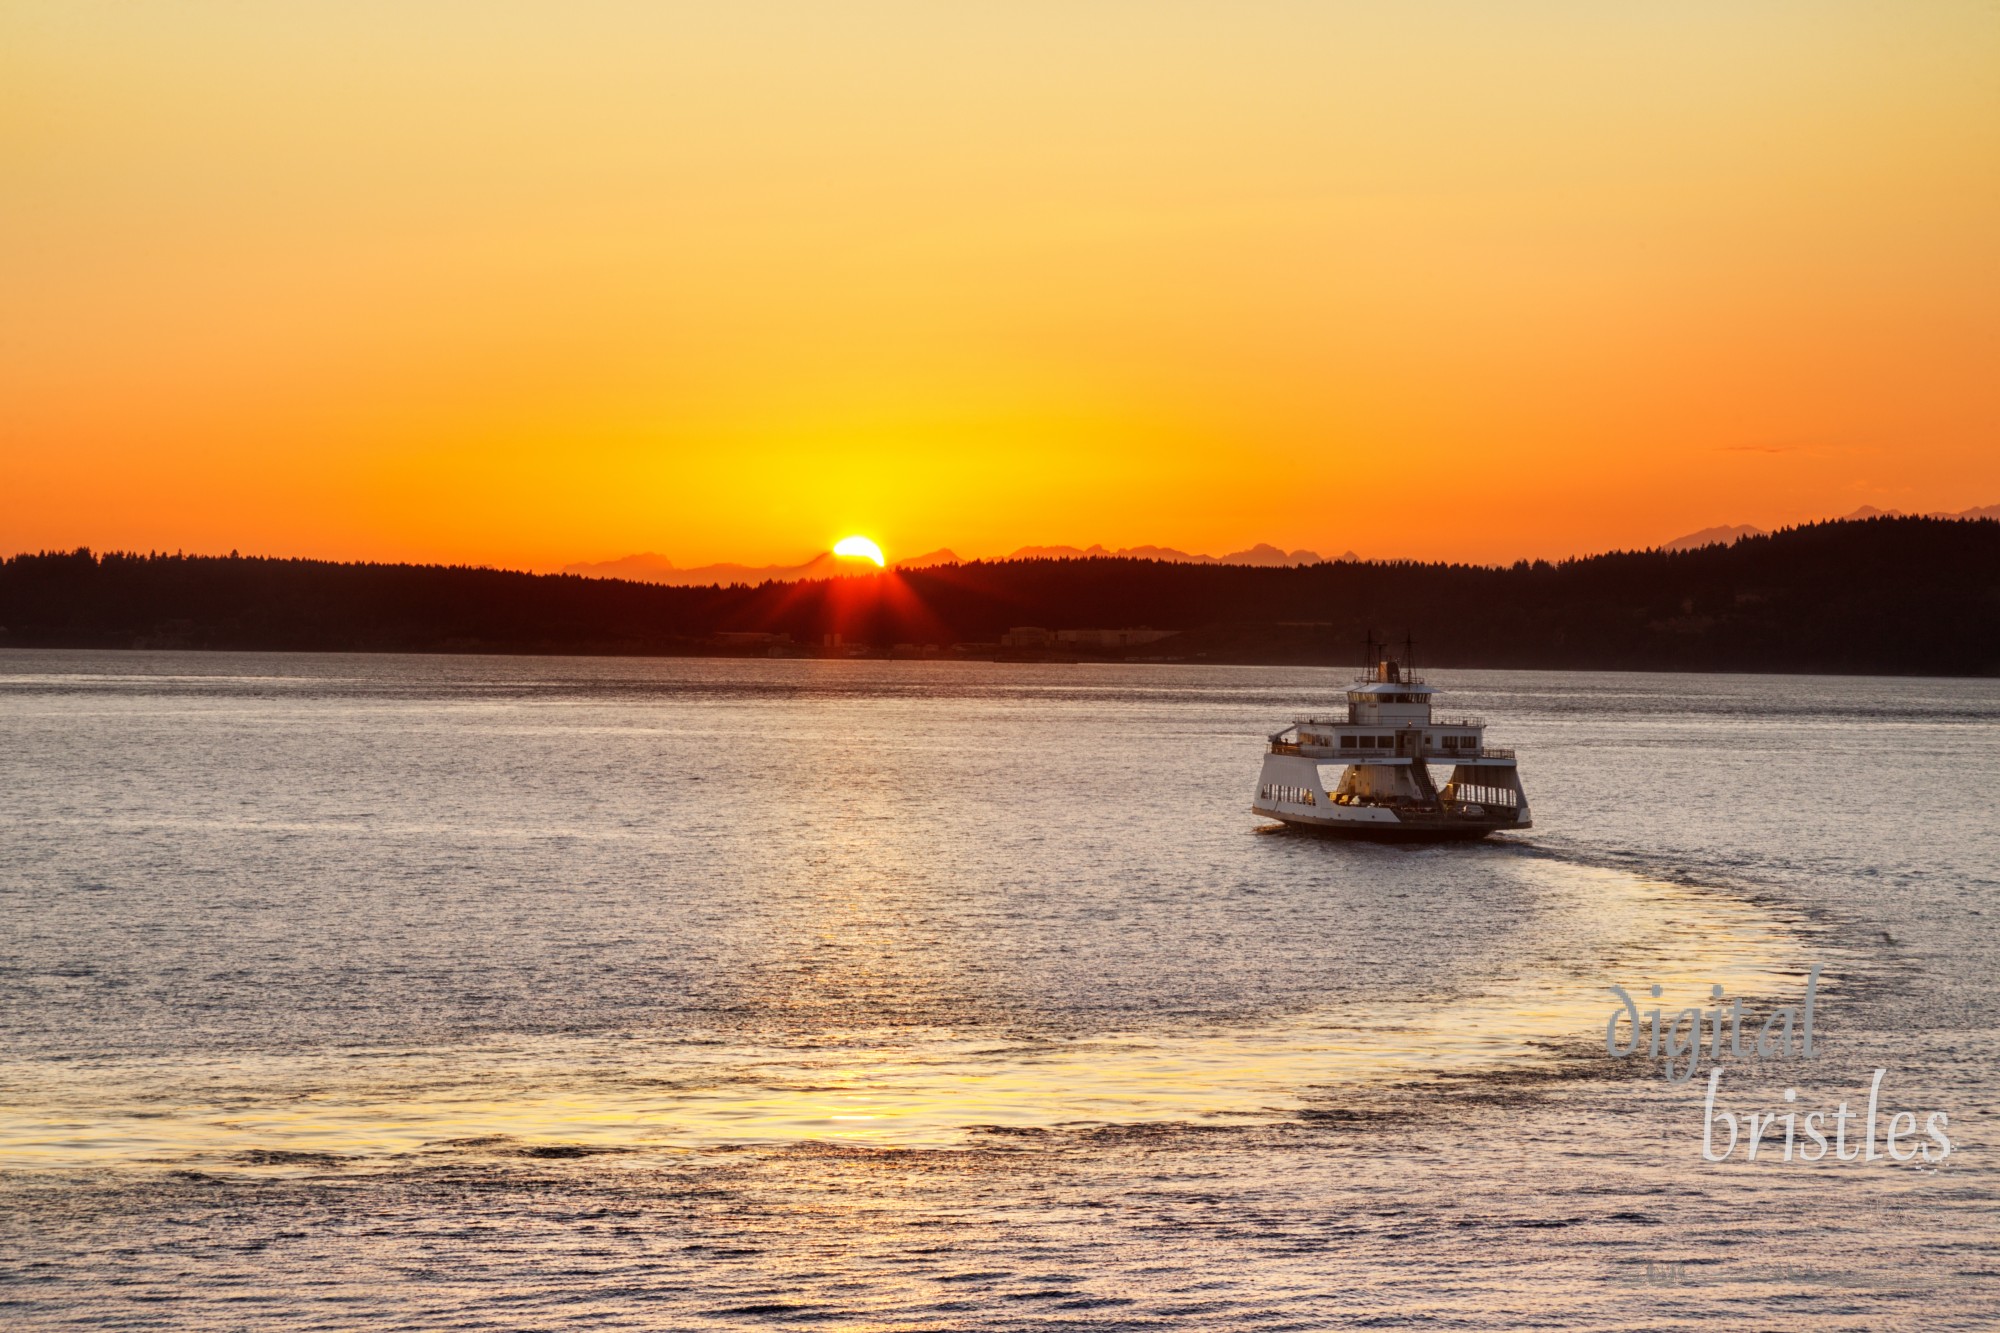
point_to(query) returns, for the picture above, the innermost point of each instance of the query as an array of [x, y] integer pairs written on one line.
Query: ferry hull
[[1404, 828]]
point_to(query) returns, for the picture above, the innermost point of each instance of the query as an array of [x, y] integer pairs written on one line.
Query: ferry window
[[1347, 742]]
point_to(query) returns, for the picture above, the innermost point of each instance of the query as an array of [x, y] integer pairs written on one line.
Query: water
[[378, 992]]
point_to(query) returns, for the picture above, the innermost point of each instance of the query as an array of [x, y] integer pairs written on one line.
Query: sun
[[860, 548]]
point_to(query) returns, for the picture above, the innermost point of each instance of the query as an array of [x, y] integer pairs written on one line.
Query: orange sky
[[527, 284]]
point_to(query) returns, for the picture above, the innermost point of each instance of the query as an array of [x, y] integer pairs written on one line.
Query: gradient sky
[[527, 284]]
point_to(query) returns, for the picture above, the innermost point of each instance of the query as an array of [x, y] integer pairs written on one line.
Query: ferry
[[1386, 740]]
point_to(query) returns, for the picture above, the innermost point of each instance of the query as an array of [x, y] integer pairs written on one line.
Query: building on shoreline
[[1033, 636]]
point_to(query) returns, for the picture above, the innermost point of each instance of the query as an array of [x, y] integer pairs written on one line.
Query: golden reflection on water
[[902, 1088]]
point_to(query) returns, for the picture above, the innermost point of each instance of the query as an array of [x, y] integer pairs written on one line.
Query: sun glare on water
[[860, 548]]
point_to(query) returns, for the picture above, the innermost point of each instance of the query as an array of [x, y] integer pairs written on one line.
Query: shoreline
[[874, 658]]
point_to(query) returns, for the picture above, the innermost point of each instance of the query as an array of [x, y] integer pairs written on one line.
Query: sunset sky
[[529, 284]]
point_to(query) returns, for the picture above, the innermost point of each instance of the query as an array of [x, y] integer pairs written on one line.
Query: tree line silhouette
[[1894, 595]]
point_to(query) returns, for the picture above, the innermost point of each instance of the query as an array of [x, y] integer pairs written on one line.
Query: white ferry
[[1387, 738]]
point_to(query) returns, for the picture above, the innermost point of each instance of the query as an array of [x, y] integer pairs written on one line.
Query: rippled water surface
[[386, 992]]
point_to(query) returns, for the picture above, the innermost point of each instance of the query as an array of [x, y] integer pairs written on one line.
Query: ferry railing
[[1435, 753], [1456, 720]]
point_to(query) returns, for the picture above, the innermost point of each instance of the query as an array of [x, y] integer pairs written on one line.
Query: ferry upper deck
[[1389, 716]]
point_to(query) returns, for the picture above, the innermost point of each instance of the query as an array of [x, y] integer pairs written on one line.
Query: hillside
[[1907, 595]]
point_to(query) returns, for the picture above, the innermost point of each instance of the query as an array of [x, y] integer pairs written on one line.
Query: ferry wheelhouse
[[1383, 746]]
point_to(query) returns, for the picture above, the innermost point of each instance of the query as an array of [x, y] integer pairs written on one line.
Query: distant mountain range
[[1728, 536], [1713, 537], [1262, 554], [653, 568]]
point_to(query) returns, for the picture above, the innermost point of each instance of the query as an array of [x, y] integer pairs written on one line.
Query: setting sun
[[860, 548]]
